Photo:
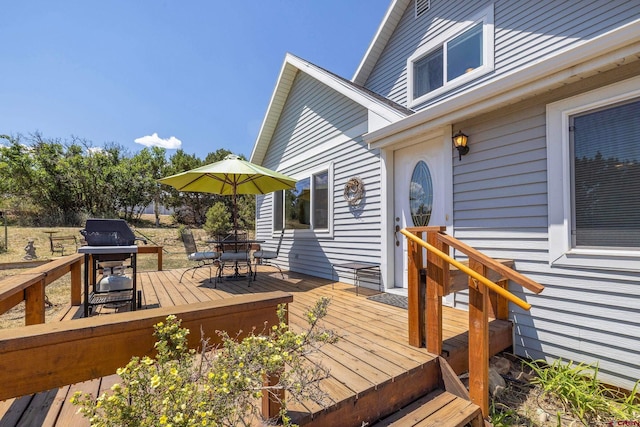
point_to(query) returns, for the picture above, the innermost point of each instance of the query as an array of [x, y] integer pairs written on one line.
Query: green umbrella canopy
[[229, 177]]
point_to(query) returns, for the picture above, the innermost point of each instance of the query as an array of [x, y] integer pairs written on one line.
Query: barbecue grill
[[110, 244]]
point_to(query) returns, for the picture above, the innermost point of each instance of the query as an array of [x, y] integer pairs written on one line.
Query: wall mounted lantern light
[[460, 142]]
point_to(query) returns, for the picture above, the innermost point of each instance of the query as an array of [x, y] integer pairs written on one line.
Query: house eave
[[380, 40], [291, 66], [612, 49]]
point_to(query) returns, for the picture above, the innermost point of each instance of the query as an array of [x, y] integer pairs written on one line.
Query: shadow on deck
[[374, 371]]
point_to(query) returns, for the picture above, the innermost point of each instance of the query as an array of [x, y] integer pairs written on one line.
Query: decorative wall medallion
[[353, 191]]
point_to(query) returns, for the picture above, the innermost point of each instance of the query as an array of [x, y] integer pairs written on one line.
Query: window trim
[[488, 60], [310, 232], [559, 181]]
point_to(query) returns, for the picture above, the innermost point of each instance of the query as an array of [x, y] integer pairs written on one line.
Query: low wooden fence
[[29, 285], [41, 357]]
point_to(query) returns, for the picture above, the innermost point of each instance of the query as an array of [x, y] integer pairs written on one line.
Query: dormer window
[[464, 53]]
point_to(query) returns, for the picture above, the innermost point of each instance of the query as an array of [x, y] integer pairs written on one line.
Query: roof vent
[[422, 6]]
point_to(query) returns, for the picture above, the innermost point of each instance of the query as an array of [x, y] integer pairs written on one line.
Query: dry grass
[[58, 293]]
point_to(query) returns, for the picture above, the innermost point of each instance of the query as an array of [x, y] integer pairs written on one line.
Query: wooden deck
[[372, 365]]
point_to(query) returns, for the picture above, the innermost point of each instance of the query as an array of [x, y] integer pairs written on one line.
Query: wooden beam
[[271, 399], [150, 249], [415, 295], [76, 283], [41, 357], [435, 289], [495, 265], [459, 281], [12, 289], [58, 267], [479, 339], [34, 303], [499, 308]]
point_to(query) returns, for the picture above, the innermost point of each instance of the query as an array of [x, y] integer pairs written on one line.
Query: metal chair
[[264, 257], [203, 259], [235, 253]]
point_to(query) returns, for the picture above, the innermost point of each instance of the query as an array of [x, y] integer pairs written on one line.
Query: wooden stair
[[438, 408], [448, 405]]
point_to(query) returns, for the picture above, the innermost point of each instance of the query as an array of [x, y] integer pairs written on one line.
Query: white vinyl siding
[[320, 127], [501, 208], [525, 33]]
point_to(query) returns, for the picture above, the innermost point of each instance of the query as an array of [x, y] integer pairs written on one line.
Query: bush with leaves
[[576, 388], [218, 220], [219, 386]]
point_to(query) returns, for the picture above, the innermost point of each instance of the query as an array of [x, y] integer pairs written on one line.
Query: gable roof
[[386, 29], [383, 107]]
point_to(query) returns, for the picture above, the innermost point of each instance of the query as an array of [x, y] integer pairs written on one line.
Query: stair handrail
[[497, 289], [502, 269], [425, 321]]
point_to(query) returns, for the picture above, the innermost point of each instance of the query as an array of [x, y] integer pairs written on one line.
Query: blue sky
[[200, 71]]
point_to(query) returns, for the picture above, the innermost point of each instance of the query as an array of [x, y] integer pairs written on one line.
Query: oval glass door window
[[421, 195]]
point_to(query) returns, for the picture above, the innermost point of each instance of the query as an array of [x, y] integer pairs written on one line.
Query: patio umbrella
[[231, 176]]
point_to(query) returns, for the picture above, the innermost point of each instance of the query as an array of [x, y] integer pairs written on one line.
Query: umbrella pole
[[235, 214]]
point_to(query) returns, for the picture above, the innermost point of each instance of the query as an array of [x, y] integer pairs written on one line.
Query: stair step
[[438, 408]]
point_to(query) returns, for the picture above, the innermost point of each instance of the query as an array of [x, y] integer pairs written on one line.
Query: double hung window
[[306, 207], [593, 161], [606, 176]]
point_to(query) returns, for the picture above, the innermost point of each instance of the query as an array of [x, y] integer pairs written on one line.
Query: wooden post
[[271, 399], [479, 304], [499, 308], [435, 286], [144, 249], [415, 294], [34, 304], [76, 282], [159, 258]]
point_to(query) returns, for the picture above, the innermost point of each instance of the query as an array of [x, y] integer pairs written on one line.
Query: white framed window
[[460, 55], [307, 208], [593, 172]]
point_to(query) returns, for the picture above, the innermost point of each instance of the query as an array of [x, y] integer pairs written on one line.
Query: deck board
[[372, 354]]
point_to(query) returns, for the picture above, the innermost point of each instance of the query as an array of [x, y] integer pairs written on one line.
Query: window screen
[[606, 176]]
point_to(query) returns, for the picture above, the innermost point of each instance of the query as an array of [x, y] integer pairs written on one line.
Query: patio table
[[357, 267], [234, 256]]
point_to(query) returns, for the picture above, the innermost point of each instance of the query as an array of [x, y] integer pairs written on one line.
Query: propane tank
[[113, 278]]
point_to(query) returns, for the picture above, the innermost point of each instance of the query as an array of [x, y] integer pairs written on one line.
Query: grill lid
[[108, 232]]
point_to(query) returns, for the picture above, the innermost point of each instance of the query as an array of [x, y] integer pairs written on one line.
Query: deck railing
[[486, 299], [42, 357], [29, 285]]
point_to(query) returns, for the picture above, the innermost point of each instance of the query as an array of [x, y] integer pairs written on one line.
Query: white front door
[[421, 191]]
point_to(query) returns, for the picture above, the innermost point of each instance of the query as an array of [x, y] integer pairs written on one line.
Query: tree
[[218, 220]]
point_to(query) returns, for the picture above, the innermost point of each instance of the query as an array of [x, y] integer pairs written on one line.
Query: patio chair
[[235, 254], [203, 259], [264, 257]]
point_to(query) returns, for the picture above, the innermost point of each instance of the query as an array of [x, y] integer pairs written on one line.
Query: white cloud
[[154, 140]]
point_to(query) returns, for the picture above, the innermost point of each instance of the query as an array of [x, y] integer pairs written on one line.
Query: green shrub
[[219, 386], [577, 388], [218, 220]]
